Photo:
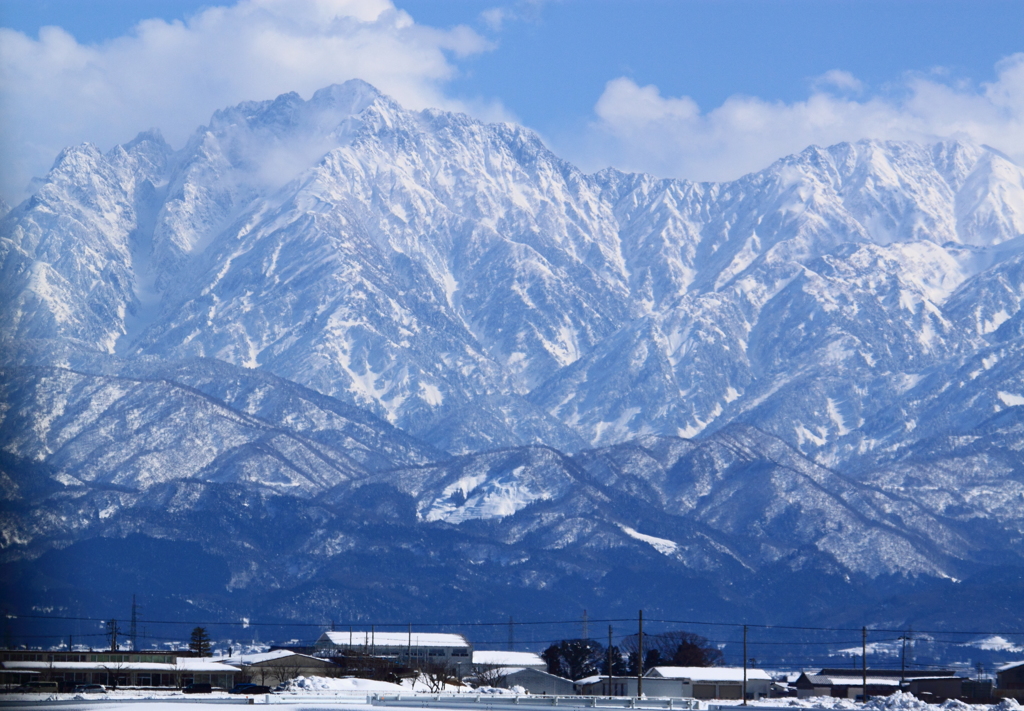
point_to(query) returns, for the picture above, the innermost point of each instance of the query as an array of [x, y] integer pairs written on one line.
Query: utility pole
[[133, 630], [112, 626], [511, 634], [373, 640], [70, 646], [864, 661], [640, 657], [903, 662], [408, 652], [586, 632], [610, 667], [744, 665]]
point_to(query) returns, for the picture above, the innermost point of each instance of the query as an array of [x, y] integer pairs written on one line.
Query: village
[[442, 663]]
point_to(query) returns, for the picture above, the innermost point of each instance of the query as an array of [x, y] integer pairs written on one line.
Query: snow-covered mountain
[[816, 367]]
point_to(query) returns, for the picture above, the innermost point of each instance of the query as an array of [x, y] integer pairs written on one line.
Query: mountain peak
[[353, 96]]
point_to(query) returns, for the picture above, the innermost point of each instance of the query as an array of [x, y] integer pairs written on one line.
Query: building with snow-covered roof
[[685, 682], [118, 669], [536, 681], [279, 665], [714, 682], [489, 659], [849, 683], [413, 649]]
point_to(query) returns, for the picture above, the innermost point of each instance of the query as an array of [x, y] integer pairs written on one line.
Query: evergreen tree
[[200, 642], [619, 666], [574, 658]]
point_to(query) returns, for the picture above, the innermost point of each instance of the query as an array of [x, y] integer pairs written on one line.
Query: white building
[[684, 682], [537, 681], [714, 682], [413, 649]]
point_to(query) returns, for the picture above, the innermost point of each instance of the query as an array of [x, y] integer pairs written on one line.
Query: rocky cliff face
[[813, 368]]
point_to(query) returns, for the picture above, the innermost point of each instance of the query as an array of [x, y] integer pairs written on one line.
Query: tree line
[[579, 658]]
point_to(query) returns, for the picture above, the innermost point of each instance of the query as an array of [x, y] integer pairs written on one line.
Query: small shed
[[536, 681]]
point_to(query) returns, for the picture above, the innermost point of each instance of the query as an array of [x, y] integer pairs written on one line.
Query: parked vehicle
[[90, 689], [197, 688], [40, 687], [249, 689]]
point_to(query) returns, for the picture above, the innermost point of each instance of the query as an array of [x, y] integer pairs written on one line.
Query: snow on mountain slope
[[66, 252], [465, 284], [134, 426], [814, 367]]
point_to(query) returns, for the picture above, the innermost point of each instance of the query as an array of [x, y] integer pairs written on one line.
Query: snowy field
[[313, 693]]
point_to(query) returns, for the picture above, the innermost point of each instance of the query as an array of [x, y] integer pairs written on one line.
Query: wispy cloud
[[55, 91], [637, 128]]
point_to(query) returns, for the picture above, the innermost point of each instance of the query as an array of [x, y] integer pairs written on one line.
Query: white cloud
[[838, 79], [494, 18], [639, 129], [56, 92]]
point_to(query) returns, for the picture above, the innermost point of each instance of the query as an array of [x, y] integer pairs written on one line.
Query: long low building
[[685, 682], [123, 670], [412, 649], [849, 683]]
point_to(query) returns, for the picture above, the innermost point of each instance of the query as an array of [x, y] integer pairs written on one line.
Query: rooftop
[[708, 673], [393, 639], [499, 658], [184, 664]]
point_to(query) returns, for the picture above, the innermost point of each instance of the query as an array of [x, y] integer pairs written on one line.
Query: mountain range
[[334, 359]]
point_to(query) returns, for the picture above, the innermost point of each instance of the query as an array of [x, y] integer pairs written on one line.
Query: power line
[[510, 623]]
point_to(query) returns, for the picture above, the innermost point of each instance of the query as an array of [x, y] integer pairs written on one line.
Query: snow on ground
[[348, 690], [306, 684], [897, 701]]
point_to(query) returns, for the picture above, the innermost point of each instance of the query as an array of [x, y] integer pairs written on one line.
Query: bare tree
[[262, 671], [115, 673], [491, 675], [283, 671], [437, 675]]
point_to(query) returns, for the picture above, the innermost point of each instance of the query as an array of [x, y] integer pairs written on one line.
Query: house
[[684, 682], [147, 669], [279, 665], [849, 683], [935, 688], [411, 649], [485, 659], [714, 682], [1010, 680], [536, 681]]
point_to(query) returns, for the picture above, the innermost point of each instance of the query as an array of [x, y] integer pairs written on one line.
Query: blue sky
[[705, 89]]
